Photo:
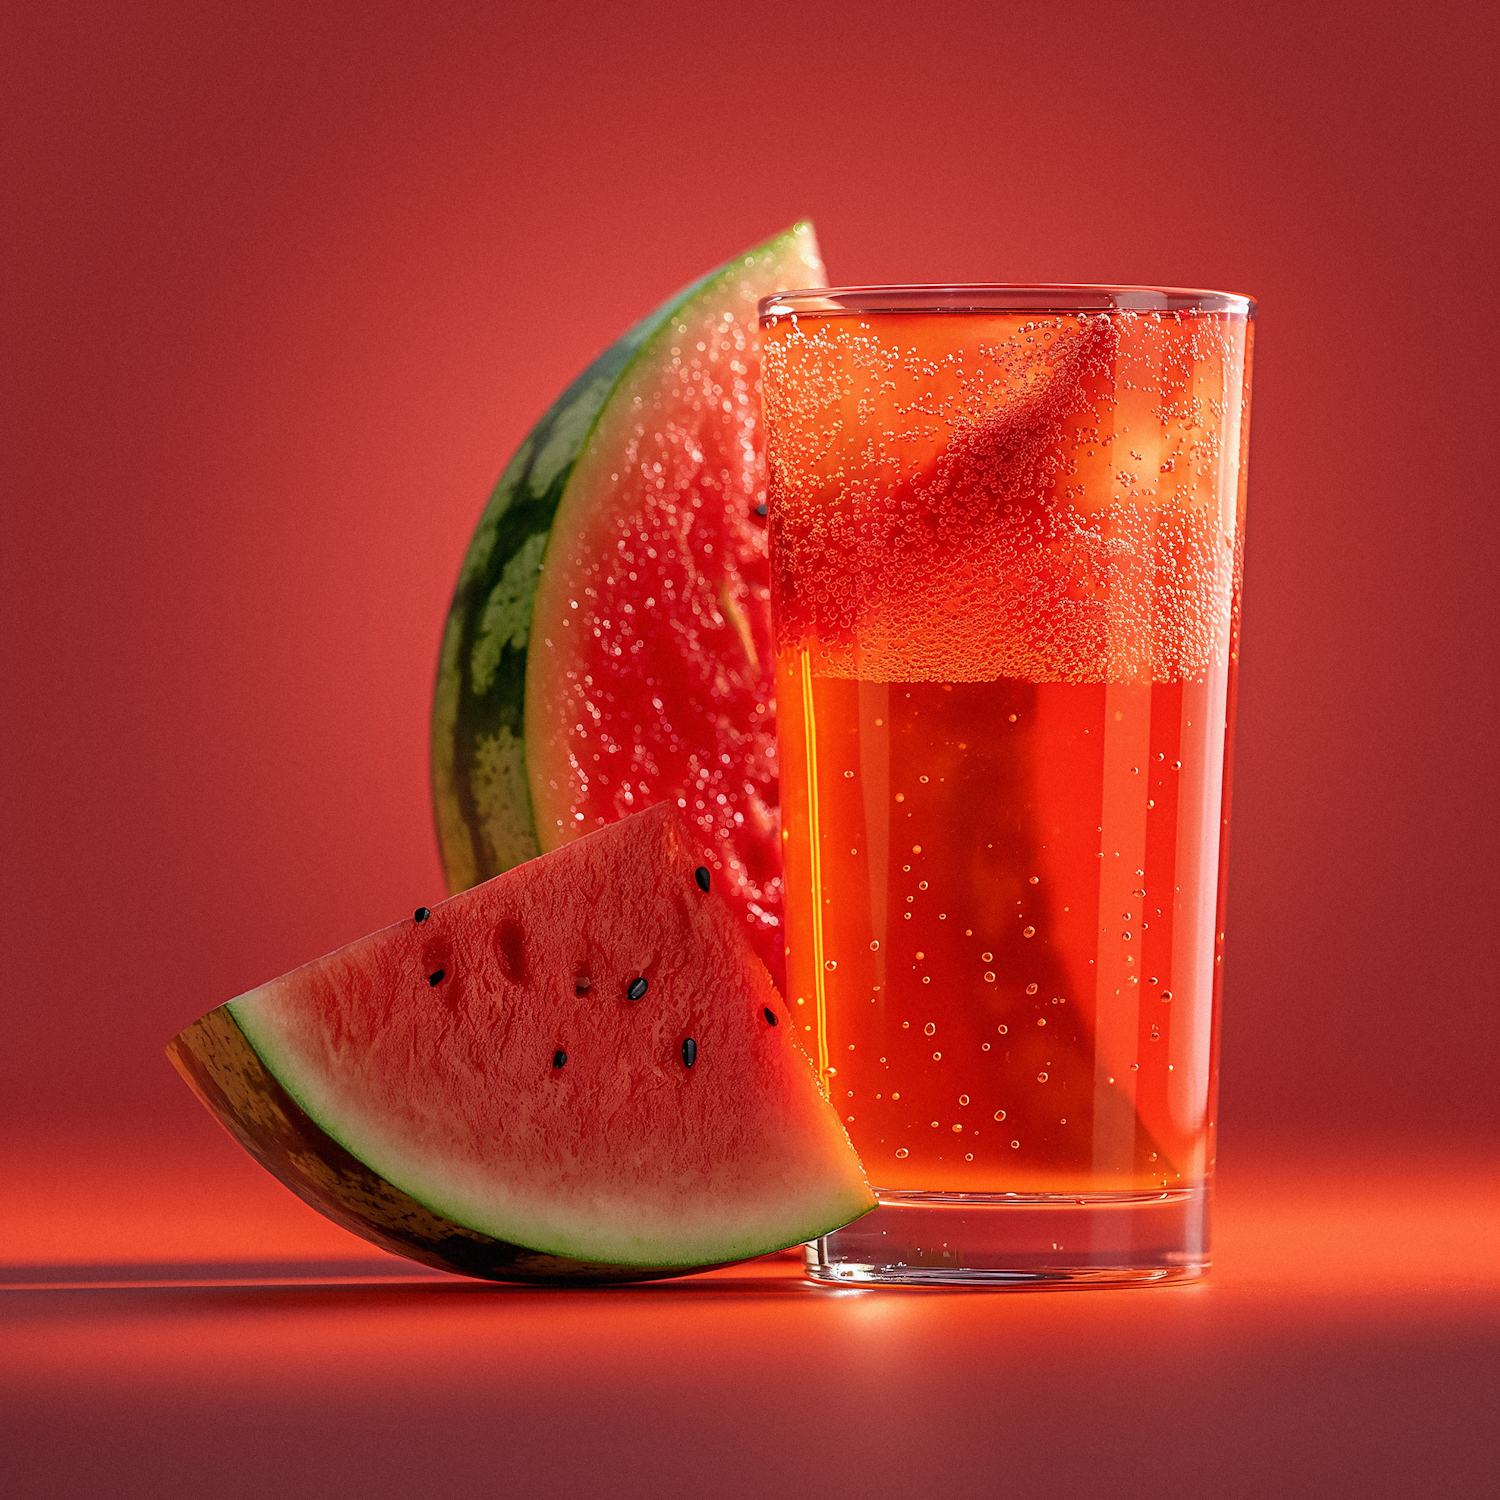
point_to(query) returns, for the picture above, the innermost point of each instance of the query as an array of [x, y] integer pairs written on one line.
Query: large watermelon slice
[[577, 1071], [610, 637]]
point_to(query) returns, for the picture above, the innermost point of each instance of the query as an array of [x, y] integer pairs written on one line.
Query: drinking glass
[[1006, 541]]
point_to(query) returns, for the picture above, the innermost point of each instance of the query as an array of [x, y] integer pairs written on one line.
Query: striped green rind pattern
[[481, 799]]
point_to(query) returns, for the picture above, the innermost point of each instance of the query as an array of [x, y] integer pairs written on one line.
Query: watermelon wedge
[[609, 640], [575, 1072]]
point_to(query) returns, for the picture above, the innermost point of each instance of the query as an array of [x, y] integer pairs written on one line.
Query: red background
[[285, 284]]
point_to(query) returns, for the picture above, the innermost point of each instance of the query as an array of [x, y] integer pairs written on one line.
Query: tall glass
[[1006, 542]]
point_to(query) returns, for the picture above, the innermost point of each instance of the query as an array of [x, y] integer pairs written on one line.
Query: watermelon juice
[[1006, 546]]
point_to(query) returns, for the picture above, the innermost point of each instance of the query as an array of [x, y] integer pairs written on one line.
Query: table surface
[[173, 1323]]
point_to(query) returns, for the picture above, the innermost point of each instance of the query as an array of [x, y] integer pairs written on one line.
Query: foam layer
[[962, 497]]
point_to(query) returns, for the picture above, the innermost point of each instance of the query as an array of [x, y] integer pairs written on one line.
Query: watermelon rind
[[227, 1074], [485, 738]]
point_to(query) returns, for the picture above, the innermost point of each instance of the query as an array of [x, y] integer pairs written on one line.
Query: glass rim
[[1003, 297]]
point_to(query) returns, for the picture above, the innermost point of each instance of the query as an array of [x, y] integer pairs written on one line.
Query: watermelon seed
[[582, 985], [559, 1058], [760, 510], [701, 876], [436, 977], [770, 1016], [635, 989], [689, 1053], [421, 914]]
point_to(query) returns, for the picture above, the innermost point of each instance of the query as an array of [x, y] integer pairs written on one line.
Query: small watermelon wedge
[[609, 641], [576, 1072]]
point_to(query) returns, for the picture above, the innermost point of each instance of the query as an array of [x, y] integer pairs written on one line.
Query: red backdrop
[[286, 283]]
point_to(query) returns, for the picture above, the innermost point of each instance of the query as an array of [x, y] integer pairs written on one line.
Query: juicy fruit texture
[[580, 1063], [610, 639]]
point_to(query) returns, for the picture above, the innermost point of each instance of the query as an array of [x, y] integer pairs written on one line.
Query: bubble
[[922, 779], [1031, 989], [920, 955], [968, 1156], [900, 796], [895, 1096], [1041, 1078], [937, 1057], [848, 775], [1176, 765], [984, 1046], [934, 1124], [963, 1098], [1165, 994], [958, 1130], [930, 1029], [830, 964], [901, 1154], [921, 885], [1028, 932], [875, 945], [1003, 1030], [1035, 879], [916, 848], [1015, 1145], [989, 976]]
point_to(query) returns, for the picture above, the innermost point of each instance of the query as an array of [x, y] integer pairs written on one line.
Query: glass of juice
[[1006, 541]]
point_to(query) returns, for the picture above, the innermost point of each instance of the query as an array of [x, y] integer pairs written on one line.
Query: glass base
[[1019, 1240]]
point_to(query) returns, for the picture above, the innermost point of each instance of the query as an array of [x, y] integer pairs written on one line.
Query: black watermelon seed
[[689, 1053], [436, 977], [421, 914], [635, 989], [701, 876], [582, 985], [559, 1058], [760, 510], [770, 1016]]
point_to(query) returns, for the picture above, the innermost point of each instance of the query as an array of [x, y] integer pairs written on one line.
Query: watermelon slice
[[610, 637], [576, 1072]]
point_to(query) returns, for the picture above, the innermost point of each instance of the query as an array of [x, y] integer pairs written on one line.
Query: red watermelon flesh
[[490, 1062]]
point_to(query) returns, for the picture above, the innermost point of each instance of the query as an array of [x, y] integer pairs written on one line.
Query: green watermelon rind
[[516, 1233], [481, 794]]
